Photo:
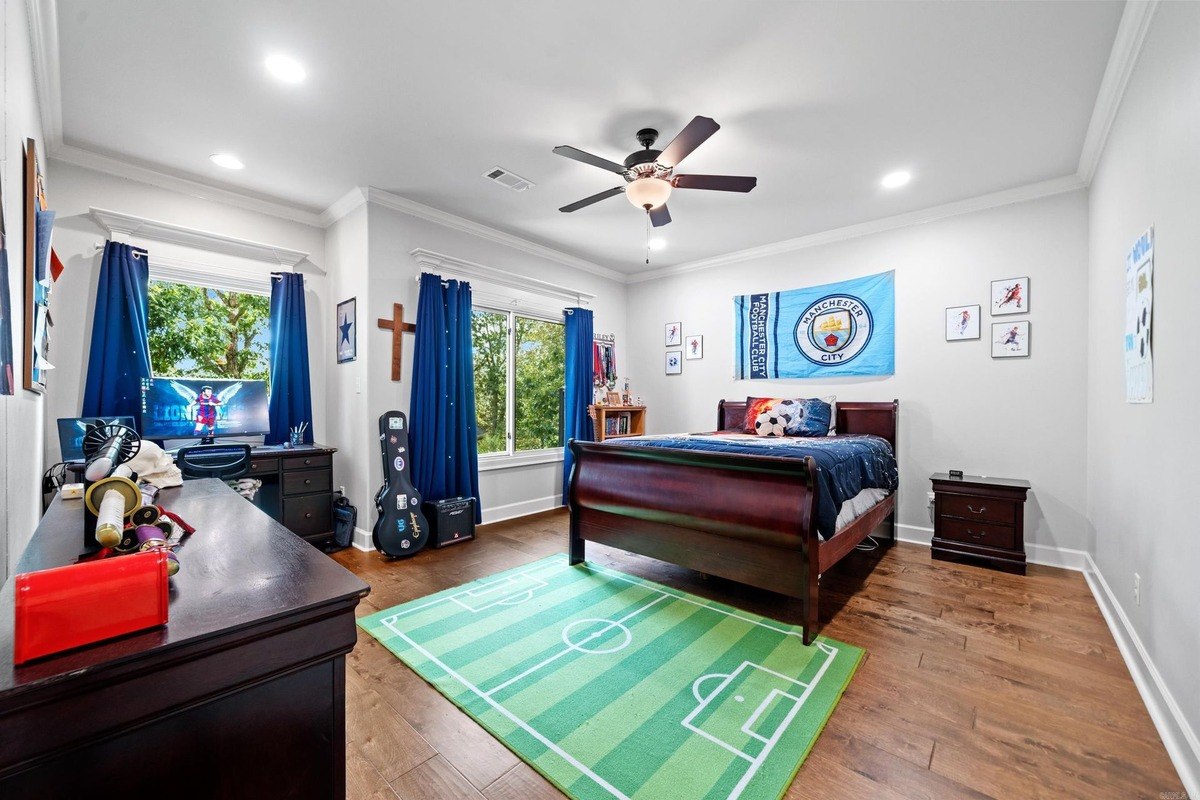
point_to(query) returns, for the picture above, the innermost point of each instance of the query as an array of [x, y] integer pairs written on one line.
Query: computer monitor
[[183, 408], [72, 429]]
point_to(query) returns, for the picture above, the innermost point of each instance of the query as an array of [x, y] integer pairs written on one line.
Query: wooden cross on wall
[[397, 326]]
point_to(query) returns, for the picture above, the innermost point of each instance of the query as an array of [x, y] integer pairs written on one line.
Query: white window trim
[[512, 457]]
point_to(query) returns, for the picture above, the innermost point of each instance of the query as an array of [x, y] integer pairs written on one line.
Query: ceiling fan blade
[[596, 198], [720, 183], [694, 134], [660, 216], [587, 158]]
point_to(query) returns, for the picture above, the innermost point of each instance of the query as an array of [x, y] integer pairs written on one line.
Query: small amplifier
[[451, 520]]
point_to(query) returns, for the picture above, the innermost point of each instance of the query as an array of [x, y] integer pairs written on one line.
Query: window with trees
[[208, 333], [519, 381]]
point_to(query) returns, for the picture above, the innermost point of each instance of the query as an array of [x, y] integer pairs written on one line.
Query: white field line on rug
[[524, 592]]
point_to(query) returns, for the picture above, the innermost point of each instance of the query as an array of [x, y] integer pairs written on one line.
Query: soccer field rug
[[614, 686]]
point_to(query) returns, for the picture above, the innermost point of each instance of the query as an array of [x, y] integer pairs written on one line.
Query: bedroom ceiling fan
[[650, 174]]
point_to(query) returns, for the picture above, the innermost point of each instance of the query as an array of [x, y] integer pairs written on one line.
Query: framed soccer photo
[[1010, 339], [962, 323], [347, 330], [674, 363], [1010, 296], [673, 334], [694, 348]]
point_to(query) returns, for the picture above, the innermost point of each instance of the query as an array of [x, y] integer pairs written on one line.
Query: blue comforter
[[845, 464]]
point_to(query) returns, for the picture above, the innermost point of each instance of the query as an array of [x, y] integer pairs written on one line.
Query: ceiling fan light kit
[[649, 174]]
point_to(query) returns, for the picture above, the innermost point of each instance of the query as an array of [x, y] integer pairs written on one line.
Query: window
[[208, 333], [519, 365]]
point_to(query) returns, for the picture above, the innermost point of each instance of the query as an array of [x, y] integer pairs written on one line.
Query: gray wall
[[958, 407], [1142, 464]]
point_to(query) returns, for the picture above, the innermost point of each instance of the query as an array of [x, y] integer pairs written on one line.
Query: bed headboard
[[879, 419]]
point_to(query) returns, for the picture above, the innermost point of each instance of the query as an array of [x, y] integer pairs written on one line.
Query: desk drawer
[[306, 516], [979, 509], [307, 462], [306, 481], [264, 466], [983, 533]]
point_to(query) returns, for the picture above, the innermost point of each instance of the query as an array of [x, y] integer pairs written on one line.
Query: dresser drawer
[[308, 516], [264, 466], [981, 509], [981, 533], [307, 462], [306, 481]]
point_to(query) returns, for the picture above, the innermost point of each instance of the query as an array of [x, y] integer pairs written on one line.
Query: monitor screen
[[72, 429], [181, 408]]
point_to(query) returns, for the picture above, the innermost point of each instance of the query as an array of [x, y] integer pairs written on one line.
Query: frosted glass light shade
[[648, 192]]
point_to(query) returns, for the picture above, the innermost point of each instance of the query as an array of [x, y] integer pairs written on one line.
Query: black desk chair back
[[224, 461]]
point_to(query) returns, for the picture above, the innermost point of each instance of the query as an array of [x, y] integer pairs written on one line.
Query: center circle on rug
[[588, 635]]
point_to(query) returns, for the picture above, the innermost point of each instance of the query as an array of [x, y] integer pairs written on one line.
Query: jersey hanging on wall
[[845, 328]]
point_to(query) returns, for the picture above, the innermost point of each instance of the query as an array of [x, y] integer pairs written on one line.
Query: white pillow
[[832, 400]]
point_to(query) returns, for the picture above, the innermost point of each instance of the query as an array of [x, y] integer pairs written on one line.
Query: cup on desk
[[295, 438]]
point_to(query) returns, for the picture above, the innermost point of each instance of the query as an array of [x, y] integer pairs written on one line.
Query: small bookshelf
[[616, 422]]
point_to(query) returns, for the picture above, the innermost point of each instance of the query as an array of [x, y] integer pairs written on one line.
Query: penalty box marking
[[756, 763]]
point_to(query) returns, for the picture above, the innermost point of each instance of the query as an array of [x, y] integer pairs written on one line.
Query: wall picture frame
[[694, 347], [673, 334], [347, 330], [962, 323], [1010, 296], [612, 398], [1010, 339], [674, 362]]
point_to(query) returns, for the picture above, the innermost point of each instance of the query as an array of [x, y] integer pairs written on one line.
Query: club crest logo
[[834, 329]]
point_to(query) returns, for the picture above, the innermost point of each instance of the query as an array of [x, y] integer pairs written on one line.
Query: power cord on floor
[[867, 545]]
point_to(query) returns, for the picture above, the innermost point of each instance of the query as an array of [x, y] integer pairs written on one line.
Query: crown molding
[[1020, 194], [126, 226], [176, 183], [1127, 47], [444, 265], [343, 205], [431, 214], [43, 41]]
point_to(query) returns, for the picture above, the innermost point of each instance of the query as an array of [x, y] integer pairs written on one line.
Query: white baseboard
[[521, 509], [1181, 741], [1062, 557], [362, 540]]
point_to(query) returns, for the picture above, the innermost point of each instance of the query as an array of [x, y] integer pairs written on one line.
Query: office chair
[[224, 461]]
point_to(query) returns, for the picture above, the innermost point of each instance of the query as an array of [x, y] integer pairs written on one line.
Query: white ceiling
[[818, 100]]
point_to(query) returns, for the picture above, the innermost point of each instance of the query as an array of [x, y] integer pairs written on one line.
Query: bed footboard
[[746, 518]]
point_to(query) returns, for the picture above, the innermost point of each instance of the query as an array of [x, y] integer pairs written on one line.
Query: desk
[[241, 695]]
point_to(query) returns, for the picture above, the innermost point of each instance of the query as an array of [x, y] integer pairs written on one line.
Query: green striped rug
[[613, 686]]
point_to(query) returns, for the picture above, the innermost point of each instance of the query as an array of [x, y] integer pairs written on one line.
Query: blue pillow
[[808, 417]]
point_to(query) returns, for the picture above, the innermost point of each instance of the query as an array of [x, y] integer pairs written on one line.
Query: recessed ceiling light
[[226, 160], [894, 180], [657, 244], [285, 68]]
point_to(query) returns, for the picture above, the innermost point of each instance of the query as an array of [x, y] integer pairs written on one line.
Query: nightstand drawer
[[982, 533], [306, 481], [981, 509]]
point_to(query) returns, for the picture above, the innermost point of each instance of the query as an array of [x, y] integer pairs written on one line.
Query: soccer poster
[[837, 329], [1139, 317]]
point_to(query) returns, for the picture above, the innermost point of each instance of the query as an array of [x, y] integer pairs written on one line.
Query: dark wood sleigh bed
[[748, 518]]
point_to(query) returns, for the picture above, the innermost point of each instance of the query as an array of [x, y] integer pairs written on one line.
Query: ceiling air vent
[[508, 179]]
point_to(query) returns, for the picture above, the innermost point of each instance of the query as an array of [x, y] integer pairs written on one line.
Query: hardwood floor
[[976, 683]]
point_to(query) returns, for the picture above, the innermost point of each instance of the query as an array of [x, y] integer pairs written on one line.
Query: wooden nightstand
[[980, 519]]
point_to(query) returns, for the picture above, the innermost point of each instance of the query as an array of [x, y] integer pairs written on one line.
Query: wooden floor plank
[[976, 683]]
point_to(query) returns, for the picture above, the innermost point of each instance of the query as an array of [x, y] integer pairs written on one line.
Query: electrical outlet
[[929, 497], [1137, 589]]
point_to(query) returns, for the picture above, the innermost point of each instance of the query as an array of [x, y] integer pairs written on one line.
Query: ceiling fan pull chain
[[647, 238]]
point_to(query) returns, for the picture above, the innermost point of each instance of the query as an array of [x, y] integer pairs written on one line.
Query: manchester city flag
[[846, 328]]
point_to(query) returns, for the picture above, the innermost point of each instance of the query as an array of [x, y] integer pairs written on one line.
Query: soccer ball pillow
[[772, 416]]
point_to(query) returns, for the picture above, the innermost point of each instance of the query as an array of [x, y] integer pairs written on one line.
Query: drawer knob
[[307, 481], [308, 515], [975, 510], [307, 462], [974, 535]]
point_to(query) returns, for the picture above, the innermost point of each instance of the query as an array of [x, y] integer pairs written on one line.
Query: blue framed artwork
[[347, 330]]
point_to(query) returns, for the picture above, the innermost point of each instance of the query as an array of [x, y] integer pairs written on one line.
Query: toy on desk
[[110, 495]]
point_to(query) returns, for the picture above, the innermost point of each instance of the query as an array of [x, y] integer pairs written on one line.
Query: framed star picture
[[347, 331]]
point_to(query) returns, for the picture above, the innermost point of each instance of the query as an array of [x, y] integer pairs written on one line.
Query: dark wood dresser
[[980, 520], [297, 487], [241, 695]]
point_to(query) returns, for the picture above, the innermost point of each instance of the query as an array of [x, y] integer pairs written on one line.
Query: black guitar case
[[401, 529]]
